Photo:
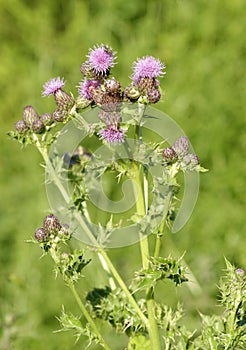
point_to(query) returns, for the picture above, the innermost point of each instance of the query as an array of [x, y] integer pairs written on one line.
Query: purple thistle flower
[[86, 87], [112, 135], [147, 67], [52, 85], [101, 58]]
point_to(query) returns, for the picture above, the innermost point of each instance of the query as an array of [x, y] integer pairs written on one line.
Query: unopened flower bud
[[240, 272], [51, 223], [97, 95], [63, 100], [153, 95], [59, 115], [41, 235], [85, 69], [38, 126], [169, 154], [191, 160], [21, 126], [131, 93], [29, 115], [146, 84], [46, 118], [181, 146], [112, 86]]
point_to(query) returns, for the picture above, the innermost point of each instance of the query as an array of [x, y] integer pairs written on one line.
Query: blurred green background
[[203, 45]]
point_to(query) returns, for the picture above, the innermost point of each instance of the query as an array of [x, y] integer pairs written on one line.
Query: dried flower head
[[101, 58], [52, 85], [112, 135], [147, 67]]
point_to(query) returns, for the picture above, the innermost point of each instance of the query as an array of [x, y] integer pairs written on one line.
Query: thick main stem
[[141, 206], [162, 225]]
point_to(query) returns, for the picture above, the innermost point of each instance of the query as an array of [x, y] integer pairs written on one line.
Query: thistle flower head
[[112, 135], [52, 85], [153, 95], [86, 87], [51, 223], [147, 67], [46, 118], [169, 154], [191, 160], [38, 126], [21, 126], [181, 146], [41, 235], [30, 115], [101, 58]]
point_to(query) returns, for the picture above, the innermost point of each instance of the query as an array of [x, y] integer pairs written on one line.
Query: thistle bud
[[59, 115], [46, 118], [131, 93], [112, 86], [146, 83], [190, 161], [51, 224], [41, 235], [85, 69], [21, 127], [97, 95], [38, 127], [169, 154], [63, 100], [240, 272], [154, 95], [30, 115], [181, 146]]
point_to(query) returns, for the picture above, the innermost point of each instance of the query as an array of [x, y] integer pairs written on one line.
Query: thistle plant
[[102, 132]]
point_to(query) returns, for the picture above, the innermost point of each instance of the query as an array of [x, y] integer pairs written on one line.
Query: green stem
[[141, 207], [162, 225], [87, 316], [55, 257]]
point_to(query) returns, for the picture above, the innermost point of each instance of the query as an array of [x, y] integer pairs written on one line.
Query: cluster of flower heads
[[99, 89], [51, 232], [106, 92], [32, 121], [180, 152]]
